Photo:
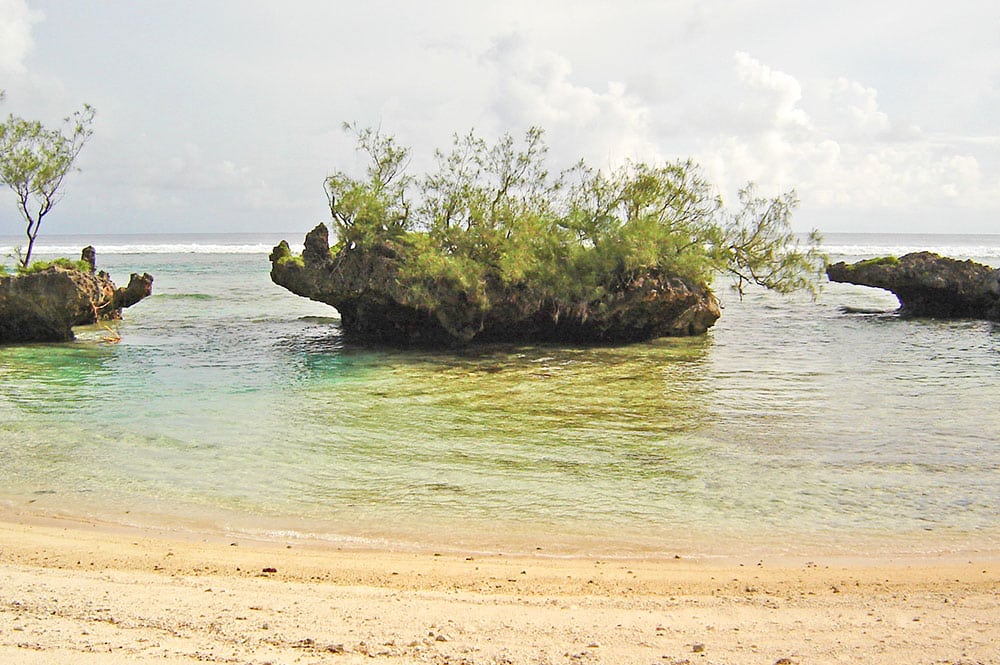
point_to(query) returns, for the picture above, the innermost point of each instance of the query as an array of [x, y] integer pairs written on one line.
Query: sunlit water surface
[[231, 404]]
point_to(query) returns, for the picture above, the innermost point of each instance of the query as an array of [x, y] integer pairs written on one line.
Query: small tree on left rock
[[34, 160]]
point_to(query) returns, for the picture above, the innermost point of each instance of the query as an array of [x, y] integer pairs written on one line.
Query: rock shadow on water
[[869, 311], [204, 297]]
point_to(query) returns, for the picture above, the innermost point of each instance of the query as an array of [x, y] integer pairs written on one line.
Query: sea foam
[[152, 248]]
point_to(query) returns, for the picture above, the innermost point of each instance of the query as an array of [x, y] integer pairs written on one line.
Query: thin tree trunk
[[32, 233]]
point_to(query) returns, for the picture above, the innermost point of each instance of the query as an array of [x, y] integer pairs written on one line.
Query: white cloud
[[535, 87], [773, 96], [190, 174], [16, 20], [844, 152], [861, 105]]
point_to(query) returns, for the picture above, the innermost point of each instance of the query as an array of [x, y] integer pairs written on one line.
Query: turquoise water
[[231, 404]]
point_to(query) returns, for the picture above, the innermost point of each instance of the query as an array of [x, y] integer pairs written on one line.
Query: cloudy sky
[[225, 115]]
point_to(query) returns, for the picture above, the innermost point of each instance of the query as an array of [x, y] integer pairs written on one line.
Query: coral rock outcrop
[[44, 306], [363, 284], [929, 285]]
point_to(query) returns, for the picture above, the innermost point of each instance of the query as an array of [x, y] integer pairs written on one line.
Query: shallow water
[[233, 404]]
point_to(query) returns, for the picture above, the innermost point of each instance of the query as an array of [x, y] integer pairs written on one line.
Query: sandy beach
[[72, 592]]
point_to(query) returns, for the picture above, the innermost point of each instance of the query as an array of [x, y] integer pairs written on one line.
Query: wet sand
[[72, 592]]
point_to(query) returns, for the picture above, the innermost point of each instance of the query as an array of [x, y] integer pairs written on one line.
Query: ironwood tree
[[34, 161]]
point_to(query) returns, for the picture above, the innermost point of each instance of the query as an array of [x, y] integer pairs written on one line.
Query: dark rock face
[[44, 306], [363, 285], [929, 285]]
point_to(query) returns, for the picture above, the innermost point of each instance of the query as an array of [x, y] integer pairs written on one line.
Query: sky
[[225, 116]]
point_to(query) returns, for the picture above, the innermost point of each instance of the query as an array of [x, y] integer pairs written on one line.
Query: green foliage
[[34, 160], [292, 260], [757, 246], [68, 264], [282, 255], [493, 216], [375, 207], [433, 276], [879, 261]]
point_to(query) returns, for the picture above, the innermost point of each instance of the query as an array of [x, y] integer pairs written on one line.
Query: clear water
[[232, 404]]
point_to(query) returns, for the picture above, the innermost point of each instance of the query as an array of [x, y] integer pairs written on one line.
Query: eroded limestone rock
[[364, 286], [44, 306], [928, 284]]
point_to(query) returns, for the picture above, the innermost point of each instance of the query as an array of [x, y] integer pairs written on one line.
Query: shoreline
[[707, 543], [81, 592]]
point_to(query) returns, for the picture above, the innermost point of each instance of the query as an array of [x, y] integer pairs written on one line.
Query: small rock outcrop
[[364, 285], [928, 284], [44, 306]]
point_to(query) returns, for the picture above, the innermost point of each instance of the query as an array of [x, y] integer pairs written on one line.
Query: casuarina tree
[[34, 161]]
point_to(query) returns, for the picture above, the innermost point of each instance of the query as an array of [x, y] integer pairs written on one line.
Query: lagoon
[[232, 405]]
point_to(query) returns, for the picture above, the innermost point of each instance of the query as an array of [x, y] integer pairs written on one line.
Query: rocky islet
[[363, 284], [928, 284], [45, 305]]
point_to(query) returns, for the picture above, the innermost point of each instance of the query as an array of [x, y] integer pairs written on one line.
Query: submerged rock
[[928, 284], [44, 306], [363, 284]]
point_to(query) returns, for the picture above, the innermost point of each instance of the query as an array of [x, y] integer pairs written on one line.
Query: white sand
[[74, 593]]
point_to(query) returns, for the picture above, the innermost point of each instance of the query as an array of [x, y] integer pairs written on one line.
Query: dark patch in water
[[184, 296], [445, 487], [847, 309], [319, 319]]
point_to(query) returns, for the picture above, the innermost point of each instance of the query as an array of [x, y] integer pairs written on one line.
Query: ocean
[[234, 407]]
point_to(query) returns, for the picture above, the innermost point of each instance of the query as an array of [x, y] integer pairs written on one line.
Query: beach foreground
[[75, 593]]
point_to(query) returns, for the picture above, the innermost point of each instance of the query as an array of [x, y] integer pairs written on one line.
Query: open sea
[[233, 406]]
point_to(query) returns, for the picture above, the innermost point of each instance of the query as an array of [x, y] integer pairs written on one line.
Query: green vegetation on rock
[[68, 264], [878, 261], [493, 215], [492, 246], [282, 255]]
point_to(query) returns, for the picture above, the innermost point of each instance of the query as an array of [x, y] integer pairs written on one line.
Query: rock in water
[[44, 306], [928, 284], [364, 285], [89, 255]]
